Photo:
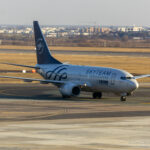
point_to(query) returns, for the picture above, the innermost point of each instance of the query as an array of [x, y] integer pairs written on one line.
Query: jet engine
[[70, 89]]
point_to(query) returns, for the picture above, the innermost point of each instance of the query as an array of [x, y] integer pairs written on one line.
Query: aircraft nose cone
[[134, 85]]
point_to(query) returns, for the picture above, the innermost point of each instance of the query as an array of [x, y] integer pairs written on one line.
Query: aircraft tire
[[123, 98], [97, 95], [65, 96]]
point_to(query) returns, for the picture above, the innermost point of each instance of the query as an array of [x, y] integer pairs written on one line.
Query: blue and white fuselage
[[95, 79]]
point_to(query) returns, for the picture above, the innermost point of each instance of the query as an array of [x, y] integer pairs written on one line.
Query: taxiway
[[34, 116]]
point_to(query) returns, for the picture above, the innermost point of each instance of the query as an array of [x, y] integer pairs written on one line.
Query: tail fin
[[43, 54]]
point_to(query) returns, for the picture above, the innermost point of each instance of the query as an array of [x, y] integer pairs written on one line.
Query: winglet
[[43, 54]]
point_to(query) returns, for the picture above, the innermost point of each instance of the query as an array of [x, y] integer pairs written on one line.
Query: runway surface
[[34, 116], [138, 54]]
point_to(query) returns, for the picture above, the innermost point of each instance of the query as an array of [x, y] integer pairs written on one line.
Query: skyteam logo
[[59, 73], [40, 46]]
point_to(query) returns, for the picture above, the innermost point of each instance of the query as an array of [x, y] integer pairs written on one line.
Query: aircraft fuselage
[[99, 79]]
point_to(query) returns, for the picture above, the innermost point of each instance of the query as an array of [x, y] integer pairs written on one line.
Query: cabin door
[[112, 79]]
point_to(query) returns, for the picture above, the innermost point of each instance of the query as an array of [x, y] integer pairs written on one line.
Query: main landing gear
[[65, 96], [97, 95]]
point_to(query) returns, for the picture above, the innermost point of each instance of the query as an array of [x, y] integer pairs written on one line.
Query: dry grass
[[79, 48], [16, 47], [21, 58], [138, 65]]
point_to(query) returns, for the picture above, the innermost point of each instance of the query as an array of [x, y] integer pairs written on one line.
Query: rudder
[[42, 51]]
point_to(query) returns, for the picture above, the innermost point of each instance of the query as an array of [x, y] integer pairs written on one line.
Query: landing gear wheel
[[123, 98], [97, 95], [65, 96]]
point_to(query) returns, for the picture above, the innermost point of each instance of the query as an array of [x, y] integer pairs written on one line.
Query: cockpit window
[[125, 78]]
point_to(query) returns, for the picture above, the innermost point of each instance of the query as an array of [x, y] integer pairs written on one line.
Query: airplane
[[72, 79]]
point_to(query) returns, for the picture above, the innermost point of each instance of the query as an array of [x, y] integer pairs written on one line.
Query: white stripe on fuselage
[[100, 78]]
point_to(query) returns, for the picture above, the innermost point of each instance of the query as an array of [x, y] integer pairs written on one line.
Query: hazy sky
[[73, 12]]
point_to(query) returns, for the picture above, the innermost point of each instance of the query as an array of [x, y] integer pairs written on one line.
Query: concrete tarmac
[[34, 116]]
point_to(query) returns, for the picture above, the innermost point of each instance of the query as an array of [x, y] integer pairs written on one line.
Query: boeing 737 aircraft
[[72, 79]]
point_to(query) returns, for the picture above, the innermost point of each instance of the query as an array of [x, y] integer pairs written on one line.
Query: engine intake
[[70, 89], [76, 91]]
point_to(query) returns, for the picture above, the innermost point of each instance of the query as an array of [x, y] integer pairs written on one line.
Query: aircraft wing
[[142, 76], [43, 81], [31, 79]]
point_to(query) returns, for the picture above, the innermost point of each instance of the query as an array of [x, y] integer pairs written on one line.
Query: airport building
[[130, 29]]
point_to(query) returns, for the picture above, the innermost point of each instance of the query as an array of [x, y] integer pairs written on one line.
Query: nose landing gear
[[123, 98]]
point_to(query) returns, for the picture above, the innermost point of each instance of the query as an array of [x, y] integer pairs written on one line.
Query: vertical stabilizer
[[43, 53]]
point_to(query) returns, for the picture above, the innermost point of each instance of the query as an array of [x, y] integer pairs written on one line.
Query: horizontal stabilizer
[[21, 65]]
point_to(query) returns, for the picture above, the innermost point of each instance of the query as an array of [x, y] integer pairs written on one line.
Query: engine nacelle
[[70, 89]]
